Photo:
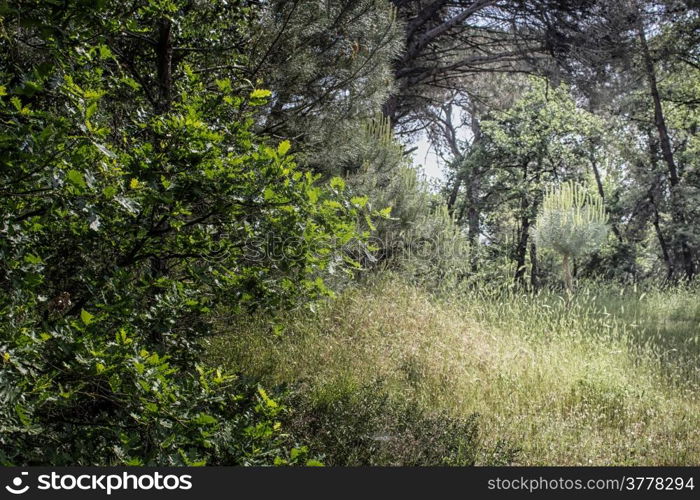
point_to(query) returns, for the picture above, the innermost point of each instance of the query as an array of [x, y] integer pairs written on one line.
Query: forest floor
[[610, 378]]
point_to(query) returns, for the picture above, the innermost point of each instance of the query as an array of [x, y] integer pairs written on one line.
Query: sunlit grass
[[609, 378]]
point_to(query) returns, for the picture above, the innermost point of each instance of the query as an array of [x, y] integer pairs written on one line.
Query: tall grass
[[609, 378]]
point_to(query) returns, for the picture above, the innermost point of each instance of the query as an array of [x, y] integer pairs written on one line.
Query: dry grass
[[570, 385]]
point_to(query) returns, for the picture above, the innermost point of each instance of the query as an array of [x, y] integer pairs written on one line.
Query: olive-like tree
[[572, 222]]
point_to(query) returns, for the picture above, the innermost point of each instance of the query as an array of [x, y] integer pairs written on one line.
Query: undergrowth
[[608, 378]]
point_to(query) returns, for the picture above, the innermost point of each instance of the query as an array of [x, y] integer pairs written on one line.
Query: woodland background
[[216, 249]]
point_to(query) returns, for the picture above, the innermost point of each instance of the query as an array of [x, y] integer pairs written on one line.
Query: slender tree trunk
[[662, 240], [534, 278], [164, 62], [164, 68], [452, 198], [523, 236], [473, 218], [568, 278], [458, 156], [474, 185], [389, 109], [527, 210], [666, 151], [159, 216], [659, 119], [665, 252], [472, 180], [521, 250], [601, 191]]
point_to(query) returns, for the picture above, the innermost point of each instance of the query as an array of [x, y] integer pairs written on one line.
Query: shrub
[[136, 199], [418, 236]]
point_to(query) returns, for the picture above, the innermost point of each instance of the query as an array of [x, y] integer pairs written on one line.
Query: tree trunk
[[568, 278], [659, 119], [164, 62], [474, 185], [601, 191], [164, 70], [666, 151], [526, 211], [473, 217], [452, 198], [521, 247], [534, 278], [662, 240], [389, 109]]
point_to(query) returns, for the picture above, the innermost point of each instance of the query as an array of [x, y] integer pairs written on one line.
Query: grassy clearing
[[611, 378]]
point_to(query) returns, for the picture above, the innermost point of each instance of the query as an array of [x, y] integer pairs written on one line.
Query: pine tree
[[572, 222], [329, 64]]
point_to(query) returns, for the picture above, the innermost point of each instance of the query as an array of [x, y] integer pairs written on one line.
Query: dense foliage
[[137, 199], [173, 169], [613, 105]]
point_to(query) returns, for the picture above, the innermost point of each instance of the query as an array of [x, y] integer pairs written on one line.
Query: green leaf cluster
[[134, 205]]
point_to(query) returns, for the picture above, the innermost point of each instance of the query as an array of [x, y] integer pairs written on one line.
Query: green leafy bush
[[136, 199]]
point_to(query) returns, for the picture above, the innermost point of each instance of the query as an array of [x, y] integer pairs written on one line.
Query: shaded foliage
[[136, 199]]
